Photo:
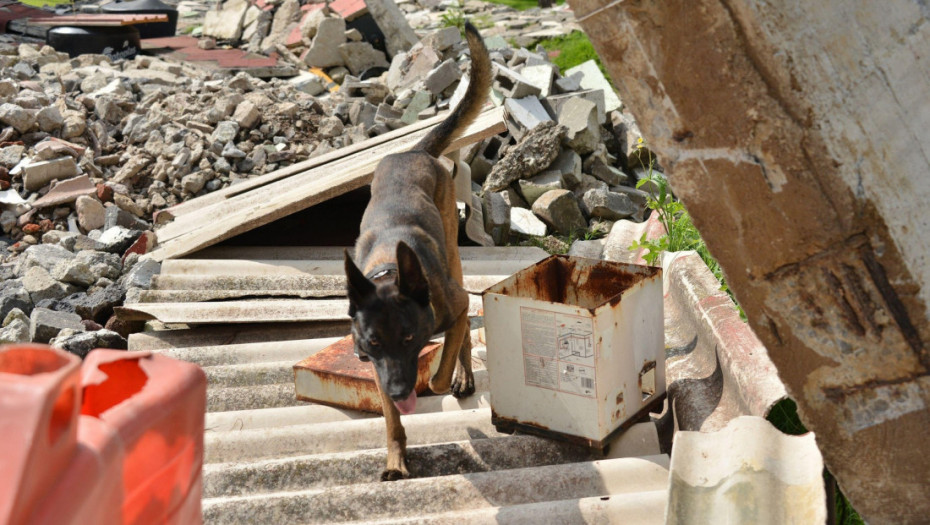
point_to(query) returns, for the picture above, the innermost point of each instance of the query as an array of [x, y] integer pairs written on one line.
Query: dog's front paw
[[463, 385], [394, 474]]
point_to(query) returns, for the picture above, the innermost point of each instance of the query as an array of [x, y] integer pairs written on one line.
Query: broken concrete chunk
[[46, 324], [534, 187], [442, 39], [442, 77], [19, 118], [540, 76], [533, 154], [524, 222], [360, 56], [419, 102], [592, 78], [247, 115], [225, 23], [513, 84], [579, 116], [324, 50], [608, 205], [398, 35], [496, 217], [559, 210], [37, 175], [524, 114]]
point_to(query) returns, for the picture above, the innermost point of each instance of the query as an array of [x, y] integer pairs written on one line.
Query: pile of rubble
[[91, 149]]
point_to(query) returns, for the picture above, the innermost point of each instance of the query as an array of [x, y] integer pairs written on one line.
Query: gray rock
[[589, 182], [49, 119], [46, 256], [225, 132], [579, 117], [101, 264], [607, 205], [21, 119], [540, 76], [443, 76], [45, 324], [118, 239], [140, 276], [609, 174], [533, 154], [442, 39], [534, 187], [330, 127], [41, 285], [81, 344], [360, 56], [15, 328], [99, 305], [78, 243], [593, 79], [194, 182], [11, 155], [568, 166], [13, 295], [116, 216], [559, 210], [247, 115], [592, 249], [75, 272], [230, 151], [420, 101], [524, 222]]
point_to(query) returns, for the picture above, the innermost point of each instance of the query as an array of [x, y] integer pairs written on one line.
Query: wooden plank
[[334, 253], [247, 211], [95, 20], [352, 172], [271, 311], [218, 196]]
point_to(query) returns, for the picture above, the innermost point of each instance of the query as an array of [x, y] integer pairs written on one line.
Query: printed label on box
[[558, 351]]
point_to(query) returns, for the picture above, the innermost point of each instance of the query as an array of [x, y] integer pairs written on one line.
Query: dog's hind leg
[[396, 439]]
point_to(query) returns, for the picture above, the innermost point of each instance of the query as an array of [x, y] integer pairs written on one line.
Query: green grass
[[574, 48], [523, 5]]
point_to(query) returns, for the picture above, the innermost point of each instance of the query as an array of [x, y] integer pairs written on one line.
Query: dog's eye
[[374, 342], [408, 338]]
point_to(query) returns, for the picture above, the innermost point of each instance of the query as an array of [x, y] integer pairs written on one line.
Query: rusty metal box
[[575, 348], [335, 376]]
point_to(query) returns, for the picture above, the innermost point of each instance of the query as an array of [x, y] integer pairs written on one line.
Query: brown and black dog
[[408, 282]]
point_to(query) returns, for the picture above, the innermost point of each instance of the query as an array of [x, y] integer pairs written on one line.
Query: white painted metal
[[574, 367]]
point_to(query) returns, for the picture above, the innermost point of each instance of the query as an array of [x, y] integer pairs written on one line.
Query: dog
[[407, 284]]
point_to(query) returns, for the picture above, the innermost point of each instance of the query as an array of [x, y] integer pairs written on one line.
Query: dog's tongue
[[407, 405]]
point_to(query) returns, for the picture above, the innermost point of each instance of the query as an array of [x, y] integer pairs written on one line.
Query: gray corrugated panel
[[747, 472], [270, 457]]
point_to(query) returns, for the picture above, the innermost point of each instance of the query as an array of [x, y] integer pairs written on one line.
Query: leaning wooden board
[[246, 211]]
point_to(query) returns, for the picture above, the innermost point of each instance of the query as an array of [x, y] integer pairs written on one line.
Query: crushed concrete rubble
[[91, 149]]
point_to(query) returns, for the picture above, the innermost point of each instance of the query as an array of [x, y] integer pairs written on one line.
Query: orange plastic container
[[156, 405], [39, 401], [132, 456]]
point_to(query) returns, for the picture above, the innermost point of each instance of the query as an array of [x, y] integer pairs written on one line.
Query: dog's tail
[[468, 108]]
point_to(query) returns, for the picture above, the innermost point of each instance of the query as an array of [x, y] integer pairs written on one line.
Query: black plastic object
[[115, 42], [147, 7]]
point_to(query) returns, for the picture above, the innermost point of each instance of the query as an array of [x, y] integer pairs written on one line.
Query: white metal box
[[575, 348]]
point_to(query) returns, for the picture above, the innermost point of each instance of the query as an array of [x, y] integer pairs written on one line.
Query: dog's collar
[[381, 271]]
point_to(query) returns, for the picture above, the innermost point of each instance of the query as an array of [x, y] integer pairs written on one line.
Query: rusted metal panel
[[747, 472], [573, 345], [335, 376], [95, 20]]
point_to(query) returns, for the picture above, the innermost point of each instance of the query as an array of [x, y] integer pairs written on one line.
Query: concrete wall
[[796, 133]]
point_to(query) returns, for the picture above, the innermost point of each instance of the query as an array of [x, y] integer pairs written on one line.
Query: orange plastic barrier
[[133, 455]]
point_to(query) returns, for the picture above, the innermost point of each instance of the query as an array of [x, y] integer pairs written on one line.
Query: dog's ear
[[410, 279], [358, 287]]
